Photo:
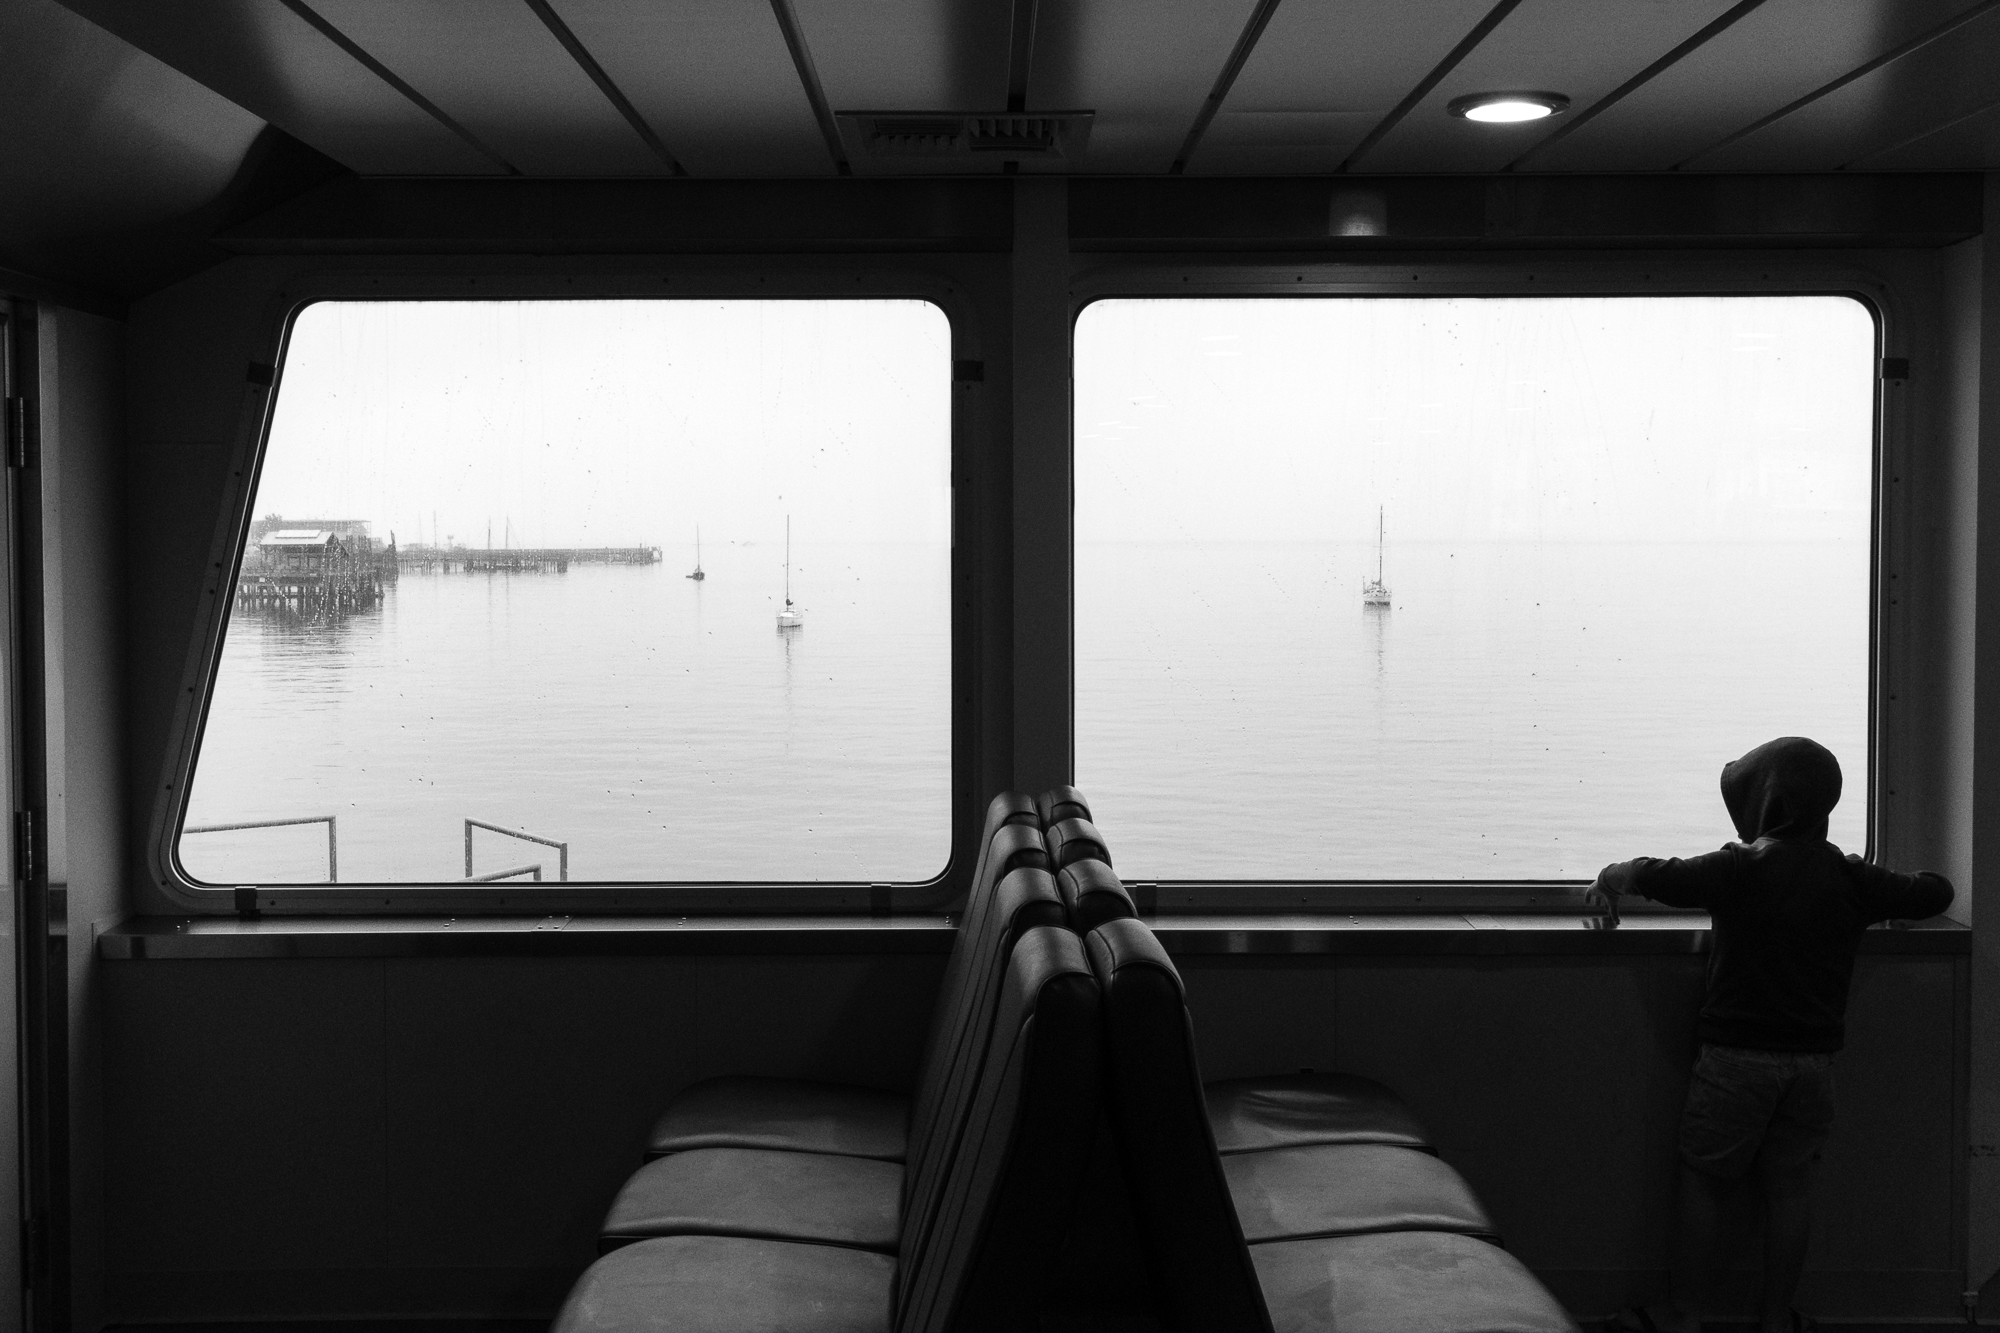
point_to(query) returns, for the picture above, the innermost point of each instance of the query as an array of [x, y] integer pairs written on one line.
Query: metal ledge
[[494, 936], [1360, 934]]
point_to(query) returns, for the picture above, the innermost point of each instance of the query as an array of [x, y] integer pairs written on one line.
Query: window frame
[[1556, 274], [263, 382]]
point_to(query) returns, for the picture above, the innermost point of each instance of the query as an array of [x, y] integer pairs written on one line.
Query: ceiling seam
[[802, 61], [1924, 133], [615, 95], [390, 77], [1239, 56], [1494, 17], [1713, 29], [1020, 54], [1950, 25]]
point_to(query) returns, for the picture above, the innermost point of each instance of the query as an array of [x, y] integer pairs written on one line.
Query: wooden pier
[[519, 559], [308, 594], [311, 572]]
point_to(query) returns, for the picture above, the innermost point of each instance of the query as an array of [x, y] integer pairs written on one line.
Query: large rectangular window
[[1463, 588], [604, 591]]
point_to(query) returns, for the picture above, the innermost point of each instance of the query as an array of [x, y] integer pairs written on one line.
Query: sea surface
[[662, 727], [1521, 710]]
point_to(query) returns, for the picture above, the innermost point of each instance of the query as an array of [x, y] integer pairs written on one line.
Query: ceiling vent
[[953, 134]]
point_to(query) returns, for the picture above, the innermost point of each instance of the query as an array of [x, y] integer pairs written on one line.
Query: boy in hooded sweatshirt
[[1788, 911]]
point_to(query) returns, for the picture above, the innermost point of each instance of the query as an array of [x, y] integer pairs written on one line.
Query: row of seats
[[1059, 1165]]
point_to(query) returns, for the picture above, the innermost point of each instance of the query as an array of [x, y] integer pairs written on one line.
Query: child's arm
[[1889, 896], [1676, 882]]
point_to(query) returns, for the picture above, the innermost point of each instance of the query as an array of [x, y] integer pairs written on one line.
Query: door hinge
[[24, 846], [17, 431]]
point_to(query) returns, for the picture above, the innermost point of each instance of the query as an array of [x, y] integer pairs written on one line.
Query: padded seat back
[[1187, 1221], [1075, 840], [1092, 896], [1060, 803], [964, 1019], [979, 1256]]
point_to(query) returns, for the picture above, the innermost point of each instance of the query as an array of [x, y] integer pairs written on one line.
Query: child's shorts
[[1771, 1110]]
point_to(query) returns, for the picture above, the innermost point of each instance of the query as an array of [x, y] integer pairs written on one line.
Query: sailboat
[[1375, 592], [791, 617], [697, 576]]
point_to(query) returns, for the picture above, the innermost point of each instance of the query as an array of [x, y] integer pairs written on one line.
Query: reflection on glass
[[463, 628], [1628, 538]]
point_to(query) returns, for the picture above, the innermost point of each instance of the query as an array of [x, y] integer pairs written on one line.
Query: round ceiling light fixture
[[1508, 108]]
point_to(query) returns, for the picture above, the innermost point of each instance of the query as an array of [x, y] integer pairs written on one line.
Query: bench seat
[[784, 1115], [801, 1196], [1348, 1190], [1402, 1282], [732, 1284], [1296, 1110]]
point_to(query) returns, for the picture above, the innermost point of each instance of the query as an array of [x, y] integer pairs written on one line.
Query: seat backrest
[[1009, 845], [1026, 898], [1060, 803], [979, 1259], [1092, 895], [1187, 1221], [1075, 840]]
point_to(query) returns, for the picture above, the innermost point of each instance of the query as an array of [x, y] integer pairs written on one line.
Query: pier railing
[[332, 838], [562, 851]]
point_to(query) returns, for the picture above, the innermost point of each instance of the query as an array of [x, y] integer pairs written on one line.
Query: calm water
[[662, 727], [1521, 711]]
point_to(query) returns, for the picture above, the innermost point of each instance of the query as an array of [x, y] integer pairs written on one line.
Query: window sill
[[1348, 934]]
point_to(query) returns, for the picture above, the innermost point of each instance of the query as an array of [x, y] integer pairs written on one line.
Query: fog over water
[[1627, 540]]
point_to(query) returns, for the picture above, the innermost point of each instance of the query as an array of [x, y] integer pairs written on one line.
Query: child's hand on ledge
[[1600, 907]]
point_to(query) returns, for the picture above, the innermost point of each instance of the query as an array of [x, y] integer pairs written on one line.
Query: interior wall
[[388, 1137], [83, 519], [403, 1137], [1977, 331]]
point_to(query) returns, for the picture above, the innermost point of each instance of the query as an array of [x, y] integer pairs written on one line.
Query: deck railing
[[562, 850], [332, 837], [492, 875]]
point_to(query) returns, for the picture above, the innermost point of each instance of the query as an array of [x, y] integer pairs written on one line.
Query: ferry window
[[591, 591], [1463, 588]]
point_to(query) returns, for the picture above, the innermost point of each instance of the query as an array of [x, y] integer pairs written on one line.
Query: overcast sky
[[625, 422], [617, 422], [1475, 418]]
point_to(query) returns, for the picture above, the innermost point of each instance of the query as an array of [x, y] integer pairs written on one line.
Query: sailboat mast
[[788, 560], [1380, 534]]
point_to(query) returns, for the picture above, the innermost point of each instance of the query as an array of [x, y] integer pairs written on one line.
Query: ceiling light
[[1508, 108]]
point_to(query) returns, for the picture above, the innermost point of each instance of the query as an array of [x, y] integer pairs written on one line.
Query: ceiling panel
[[272, 63], [107, 149], [1971, 143], [1144, 66], [712, 77], [493, 66], [1581, 50], [909, 55], [1777, 54], [1323, 76], [1924, 90]]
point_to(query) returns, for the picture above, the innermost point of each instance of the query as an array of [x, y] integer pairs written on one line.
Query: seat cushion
[[727, 1284], [786, 1115], [1075, 840], [1292, 1110], [799, 1196], [1402, 1282], [1346, 1189]]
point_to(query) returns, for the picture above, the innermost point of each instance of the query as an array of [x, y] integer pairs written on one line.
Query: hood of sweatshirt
[[1782, 789]]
